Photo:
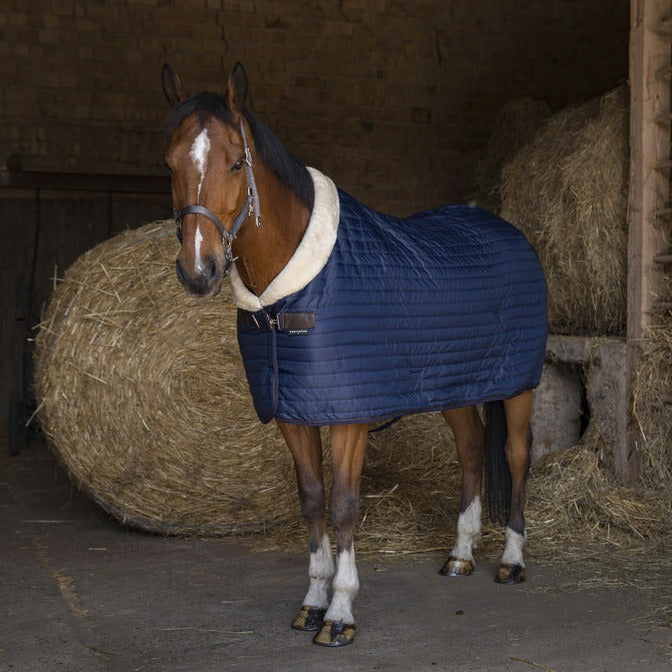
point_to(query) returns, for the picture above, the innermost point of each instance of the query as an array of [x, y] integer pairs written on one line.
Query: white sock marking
[[468, 531], [513, 551], [346, 586], [321, 571], [199, 155]]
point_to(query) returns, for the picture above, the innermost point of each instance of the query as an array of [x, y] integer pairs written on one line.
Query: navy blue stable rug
[[376, 317]]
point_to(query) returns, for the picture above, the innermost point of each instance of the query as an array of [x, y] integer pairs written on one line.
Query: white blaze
[[199, 155]]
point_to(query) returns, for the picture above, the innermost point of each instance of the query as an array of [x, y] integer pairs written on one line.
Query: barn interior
[[555, 115], [399, 128]]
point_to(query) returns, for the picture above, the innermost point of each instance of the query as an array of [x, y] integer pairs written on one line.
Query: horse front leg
[[306, 447], [348, 443], [469, 442], [517, 448]]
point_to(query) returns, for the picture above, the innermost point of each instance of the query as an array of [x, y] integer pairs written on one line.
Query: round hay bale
[[142, 393], [567, 191]]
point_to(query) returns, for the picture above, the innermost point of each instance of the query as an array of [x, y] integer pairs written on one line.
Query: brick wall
[[392, 99]]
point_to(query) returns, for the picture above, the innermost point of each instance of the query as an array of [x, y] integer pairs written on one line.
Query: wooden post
[[650, 61]]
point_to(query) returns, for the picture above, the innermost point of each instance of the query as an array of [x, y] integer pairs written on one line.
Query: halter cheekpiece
[[250, 206]]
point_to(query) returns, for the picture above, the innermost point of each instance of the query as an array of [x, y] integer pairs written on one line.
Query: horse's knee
[[517, 448]]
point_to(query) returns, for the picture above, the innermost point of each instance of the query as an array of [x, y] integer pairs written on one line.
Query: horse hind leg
[[469, 442], [517, 412], [306, 448]]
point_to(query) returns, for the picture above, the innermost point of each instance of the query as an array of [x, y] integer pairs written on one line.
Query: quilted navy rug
[[376, 317]]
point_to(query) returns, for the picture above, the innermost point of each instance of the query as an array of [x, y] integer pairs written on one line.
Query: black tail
[[497, 474]]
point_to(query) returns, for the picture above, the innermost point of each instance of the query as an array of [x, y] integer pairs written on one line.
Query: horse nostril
[[211, 270], [181, 276]]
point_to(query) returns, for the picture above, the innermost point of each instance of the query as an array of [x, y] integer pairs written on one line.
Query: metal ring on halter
[[251, 206]]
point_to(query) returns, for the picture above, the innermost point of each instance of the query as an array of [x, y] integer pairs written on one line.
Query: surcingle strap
[[293, 323]]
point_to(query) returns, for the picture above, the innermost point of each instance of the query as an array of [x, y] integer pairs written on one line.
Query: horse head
[[211, 179]]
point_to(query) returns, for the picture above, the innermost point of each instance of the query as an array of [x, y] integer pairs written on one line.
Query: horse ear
[[236, 89], [172, 86]]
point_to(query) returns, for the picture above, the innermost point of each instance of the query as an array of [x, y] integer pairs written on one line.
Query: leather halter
[[250, 206]]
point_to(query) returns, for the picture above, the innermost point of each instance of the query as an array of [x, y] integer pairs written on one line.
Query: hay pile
[[567, 191], [652, 405], [579, 516]]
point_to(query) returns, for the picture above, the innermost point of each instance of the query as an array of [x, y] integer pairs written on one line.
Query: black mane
[[275, 155]]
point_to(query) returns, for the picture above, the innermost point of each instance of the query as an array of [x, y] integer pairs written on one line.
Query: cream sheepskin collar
[[310, 257]]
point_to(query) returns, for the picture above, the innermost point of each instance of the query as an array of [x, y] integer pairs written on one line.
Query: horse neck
[[265, 250]]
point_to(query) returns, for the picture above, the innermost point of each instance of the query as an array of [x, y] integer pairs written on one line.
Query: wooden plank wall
[[649, 196], [43, 232]]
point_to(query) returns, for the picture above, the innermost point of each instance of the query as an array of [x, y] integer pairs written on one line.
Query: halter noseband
[[251, 205]]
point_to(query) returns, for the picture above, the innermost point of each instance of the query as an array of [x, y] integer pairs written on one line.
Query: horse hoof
[[510, 574], [335, 634], [457, 567], [309, 619]]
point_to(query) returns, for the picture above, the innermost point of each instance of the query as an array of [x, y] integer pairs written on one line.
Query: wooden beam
[[650, 60], [134, 184]]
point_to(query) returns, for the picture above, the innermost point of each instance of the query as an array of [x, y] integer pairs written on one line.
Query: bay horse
[[316, 354]]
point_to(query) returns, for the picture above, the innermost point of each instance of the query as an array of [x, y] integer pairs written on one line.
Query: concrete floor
[[81, 593]]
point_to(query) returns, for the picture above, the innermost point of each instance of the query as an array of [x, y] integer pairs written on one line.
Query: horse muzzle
[[207, 281]]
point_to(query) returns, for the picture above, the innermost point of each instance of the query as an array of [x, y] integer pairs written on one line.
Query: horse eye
[[237, 166]]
